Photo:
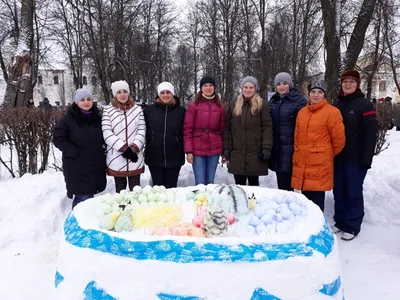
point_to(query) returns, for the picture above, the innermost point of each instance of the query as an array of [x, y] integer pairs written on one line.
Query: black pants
[[120, 182], [284, 180], [317, 197], [167, 177], [242, 180], [397, 128]]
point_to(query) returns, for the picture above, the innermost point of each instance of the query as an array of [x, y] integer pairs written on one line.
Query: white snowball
[[267, 219], [259, 212], [261, 230], [254, 221]]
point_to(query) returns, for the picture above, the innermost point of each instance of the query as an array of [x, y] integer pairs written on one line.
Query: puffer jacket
[[123, 125], [284, 112], [81, 142], [164, 135], [319, 137], [203, 128]]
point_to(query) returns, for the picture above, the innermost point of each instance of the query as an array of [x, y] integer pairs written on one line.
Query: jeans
[[204, 168], [167, 177], [348, 195], [80, 198], [317, 197]]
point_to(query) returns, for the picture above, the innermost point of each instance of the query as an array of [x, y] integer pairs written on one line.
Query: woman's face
[[316, 95], [248, 90], [122, 96], [208, 89], [282, 88], [85, 104], [166, 97], [349, 86]]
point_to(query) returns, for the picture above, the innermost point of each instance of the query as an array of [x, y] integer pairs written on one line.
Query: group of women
[[312, 145]]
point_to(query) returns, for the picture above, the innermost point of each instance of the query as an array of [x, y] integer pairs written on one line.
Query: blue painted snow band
[[58, 279], [332, 288], [261, 294], [91, 292], [163, 296], [189, 252]]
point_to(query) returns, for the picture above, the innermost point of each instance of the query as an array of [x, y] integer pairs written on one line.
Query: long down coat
[[246, 135], [319, 136], [80, 139]]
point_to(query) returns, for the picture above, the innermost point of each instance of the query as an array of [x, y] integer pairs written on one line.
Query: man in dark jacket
[[351, 165], [45, 103]]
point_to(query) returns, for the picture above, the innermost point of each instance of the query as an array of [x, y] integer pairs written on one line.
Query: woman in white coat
[[124, 131]]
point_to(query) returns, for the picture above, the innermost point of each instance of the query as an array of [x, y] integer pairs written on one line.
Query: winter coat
[[284, 112], [246, 136], [123, 125], [396, 114], [80, 139], [361, 127], [164, 135], [203, 128], [319, 136]]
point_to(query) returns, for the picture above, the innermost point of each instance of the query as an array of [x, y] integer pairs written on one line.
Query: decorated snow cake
[[204, 242]]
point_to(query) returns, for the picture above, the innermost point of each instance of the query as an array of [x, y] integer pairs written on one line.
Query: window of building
[[94, 80], [40, 79], [84, 80], [382, 86], [55, 79]]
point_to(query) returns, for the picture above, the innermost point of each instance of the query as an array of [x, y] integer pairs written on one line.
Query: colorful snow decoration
[[92, 292], [332, 288], [58, 279], [163, 296], [261, 294]]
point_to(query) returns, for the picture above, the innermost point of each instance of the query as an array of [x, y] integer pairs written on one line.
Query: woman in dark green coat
[[248, 135]]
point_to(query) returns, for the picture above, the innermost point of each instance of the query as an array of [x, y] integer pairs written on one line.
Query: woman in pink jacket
[[203, 129]]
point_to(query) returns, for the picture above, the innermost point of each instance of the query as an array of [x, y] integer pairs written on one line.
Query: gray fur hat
[[250, 79], [318, 84], [283, 77]]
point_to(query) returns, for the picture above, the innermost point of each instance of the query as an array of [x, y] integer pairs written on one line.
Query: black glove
[[129, 154], [265, 154], [227, 154]]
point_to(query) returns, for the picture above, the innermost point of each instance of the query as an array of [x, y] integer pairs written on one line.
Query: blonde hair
[[256, 104]]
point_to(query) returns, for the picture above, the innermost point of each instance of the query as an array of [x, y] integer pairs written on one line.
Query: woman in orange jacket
[[319, 136]]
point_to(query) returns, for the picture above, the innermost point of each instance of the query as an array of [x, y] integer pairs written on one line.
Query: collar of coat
[[82, 118], [314, 107], [125, 106]]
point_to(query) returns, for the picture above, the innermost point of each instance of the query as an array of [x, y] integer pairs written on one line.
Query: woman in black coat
[[164, 153], [79, 136]]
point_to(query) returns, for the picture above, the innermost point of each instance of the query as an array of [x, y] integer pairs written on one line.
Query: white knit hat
[[119, 85], [165, 86]]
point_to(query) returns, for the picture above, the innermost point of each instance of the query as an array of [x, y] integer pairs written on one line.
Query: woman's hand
[[189, 158]]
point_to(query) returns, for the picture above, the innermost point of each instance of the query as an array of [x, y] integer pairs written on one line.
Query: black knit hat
[[207, 79]]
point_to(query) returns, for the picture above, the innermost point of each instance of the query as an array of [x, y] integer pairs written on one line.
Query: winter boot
[[348, 236], [335, 229]]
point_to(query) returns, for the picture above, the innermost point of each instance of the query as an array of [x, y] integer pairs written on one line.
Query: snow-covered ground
[[33, 208]]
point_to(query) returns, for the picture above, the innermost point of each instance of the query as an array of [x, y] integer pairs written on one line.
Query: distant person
[[352, 164], [45, 104], [284, 106], [79, 136], [143, 105], [124, 131], [396, 115], [202, 131]]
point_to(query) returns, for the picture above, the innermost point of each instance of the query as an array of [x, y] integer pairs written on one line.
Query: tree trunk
[[331, 16]]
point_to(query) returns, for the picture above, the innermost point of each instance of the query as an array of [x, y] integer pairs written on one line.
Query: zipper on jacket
[[165, 133], [209, 126], [126, 137]]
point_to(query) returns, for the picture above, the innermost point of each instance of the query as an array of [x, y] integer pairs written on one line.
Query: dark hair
[[199, 96]]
